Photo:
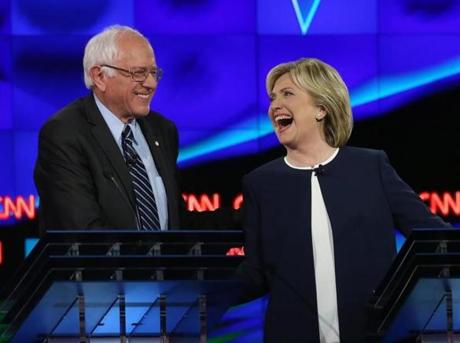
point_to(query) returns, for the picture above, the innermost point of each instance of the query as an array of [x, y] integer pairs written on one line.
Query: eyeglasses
[[139, 74]]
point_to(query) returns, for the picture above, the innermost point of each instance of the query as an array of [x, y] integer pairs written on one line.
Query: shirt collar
[[329, 159], [115, 125]]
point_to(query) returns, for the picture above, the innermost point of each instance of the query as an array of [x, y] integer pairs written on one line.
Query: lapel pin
[[156, 143]]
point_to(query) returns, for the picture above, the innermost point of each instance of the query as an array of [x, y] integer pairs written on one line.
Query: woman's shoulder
[[352, 153]]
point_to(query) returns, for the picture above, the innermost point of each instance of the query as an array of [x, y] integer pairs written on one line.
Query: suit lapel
[[103, 136]]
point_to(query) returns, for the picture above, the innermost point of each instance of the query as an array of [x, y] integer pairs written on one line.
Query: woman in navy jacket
[[319, 222]]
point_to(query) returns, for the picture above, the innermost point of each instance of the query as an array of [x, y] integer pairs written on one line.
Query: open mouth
[[283, 121]]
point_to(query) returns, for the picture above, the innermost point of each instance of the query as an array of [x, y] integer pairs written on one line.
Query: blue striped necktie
[[145, 200]]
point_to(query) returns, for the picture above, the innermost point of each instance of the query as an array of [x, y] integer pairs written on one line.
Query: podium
[[121, 286], [418, 300]]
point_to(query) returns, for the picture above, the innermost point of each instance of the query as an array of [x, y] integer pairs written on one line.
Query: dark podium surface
[[119, 286], [418, 300]]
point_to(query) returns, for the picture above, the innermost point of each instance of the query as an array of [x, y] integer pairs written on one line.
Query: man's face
[[126, 98]]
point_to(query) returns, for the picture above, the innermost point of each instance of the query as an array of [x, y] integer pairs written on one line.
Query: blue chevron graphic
[[311, 8]]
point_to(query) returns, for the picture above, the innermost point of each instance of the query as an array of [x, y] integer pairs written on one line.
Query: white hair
[[103, 49]]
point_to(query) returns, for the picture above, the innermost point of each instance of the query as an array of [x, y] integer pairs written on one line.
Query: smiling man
[[106, 160]]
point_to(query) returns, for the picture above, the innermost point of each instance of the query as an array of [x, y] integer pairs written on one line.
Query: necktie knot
[[127, 135]]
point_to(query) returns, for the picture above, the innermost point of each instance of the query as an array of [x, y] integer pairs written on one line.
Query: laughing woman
[[319, 221]]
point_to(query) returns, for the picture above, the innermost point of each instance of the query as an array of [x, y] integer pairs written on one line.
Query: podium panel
[[424, 311], [419, 298], [119, 286], [57, 313]]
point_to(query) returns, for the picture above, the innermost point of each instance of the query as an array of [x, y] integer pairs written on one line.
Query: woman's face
[[292, 112]]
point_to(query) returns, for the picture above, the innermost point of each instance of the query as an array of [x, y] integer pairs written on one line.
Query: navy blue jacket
[[365, 201]]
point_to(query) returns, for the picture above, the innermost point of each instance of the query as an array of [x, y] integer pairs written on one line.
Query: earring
[[318, 119]]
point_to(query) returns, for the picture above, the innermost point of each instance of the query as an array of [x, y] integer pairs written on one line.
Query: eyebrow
[[281, 90]]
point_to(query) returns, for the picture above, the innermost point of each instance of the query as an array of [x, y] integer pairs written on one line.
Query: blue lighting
[[226, 139], [400, 239], [362, 95], [396, 84], [311, 11], [389, 53], [29, 244]]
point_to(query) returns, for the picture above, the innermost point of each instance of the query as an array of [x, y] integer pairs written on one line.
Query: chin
[[142, 113], [283, 139], [280, 139]]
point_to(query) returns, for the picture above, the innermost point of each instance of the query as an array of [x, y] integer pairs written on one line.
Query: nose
[[150, 82], [274, 105]]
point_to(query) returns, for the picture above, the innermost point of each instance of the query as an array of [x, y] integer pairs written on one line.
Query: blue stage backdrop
[[400, 59], [216, 55]]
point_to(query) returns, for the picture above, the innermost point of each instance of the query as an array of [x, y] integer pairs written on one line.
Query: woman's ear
[[321, 114]]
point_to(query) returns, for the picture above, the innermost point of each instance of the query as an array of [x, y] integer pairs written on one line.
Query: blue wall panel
[[209, 81], [195, 17], [215, 55], [25, 153], [47, 75], [7, 169], [419, 16], [30, 17]]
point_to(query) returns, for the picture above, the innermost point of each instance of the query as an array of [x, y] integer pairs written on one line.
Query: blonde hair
[[328, 91]]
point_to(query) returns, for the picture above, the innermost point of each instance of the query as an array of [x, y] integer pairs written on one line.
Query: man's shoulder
[[68, 119], [157, 118], [72, 112]]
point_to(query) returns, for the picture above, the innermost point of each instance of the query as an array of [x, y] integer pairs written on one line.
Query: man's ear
[[99, 78]]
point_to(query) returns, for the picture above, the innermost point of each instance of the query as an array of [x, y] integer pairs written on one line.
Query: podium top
[[427, 254], [85, 236], [141, 250], [170, 262], [120, 256], [431, 246]]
